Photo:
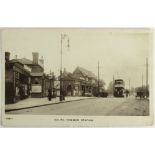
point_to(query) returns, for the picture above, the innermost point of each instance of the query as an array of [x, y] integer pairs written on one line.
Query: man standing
[[49, 94]]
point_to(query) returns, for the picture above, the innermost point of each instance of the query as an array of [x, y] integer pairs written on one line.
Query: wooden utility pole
[[146, 76], [113, 85], [129, 86], [142, 81], [98, 78], [61, 94]]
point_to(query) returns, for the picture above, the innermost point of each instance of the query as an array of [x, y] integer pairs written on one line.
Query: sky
[[121, 53]]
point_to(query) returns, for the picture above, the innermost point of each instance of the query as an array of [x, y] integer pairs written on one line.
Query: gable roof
[[85, 72]]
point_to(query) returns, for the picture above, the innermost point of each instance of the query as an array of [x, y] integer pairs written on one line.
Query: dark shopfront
[[17, 82]]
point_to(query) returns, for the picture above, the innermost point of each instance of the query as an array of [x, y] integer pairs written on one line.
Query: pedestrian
[[63, 94], [49, 94], [127, 93], [21, 92]]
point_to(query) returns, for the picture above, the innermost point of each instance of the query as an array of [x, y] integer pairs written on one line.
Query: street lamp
[[63, 37]]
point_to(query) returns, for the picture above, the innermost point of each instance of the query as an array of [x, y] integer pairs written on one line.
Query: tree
[[101, 83]]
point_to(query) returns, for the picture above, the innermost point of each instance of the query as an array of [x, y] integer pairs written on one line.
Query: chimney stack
[[7, 56], [35, 57]]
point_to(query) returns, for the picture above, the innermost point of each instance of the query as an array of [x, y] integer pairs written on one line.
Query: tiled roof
[[85, 72]]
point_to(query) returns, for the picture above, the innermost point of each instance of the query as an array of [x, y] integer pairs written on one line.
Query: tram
[[119, 88]]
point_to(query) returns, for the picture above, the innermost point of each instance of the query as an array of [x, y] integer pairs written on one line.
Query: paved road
[[95, 107]]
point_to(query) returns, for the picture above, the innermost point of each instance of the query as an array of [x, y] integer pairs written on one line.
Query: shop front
[[17, 82]]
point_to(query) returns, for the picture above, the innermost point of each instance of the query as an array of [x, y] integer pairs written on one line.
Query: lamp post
[[63, 37], [49, 89]]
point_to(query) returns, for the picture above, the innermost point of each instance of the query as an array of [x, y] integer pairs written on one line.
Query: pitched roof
[[85, 72], [25, 61], [15, 61]]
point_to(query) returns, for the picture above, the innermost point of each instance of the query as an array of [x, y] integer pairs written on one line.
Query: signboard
[[36, 88]]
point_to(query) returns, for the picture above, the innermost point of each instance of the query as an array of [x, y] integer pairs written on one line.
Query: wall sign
[[36, 88]]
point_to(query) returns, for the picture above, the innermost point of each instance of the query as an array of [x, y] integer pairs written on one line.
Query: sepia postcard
[[76, 77]]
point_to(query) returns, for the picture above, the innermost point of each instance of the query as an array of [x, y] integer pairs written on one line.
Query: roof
[[15, 61], [85, 72], [18, 64], [25, 61], [68, 75]]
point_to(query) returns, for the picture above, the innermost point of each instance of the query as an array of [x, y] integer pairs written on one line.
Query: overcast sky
[[121, 52]]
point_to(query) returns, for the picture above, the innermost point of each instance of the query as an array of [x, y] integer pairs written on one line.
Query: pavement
[[38, 102], [92, 107]]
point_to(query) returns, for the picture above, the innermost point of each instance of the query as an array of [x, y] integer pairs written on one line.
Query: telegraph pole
[[146, 76], [61, 97], [142, 81], [129, 86], [113, 85], [98, 78]]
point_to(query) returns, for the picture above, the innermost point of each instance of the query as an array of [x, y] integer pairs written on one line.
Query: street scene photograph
[[77, 71]]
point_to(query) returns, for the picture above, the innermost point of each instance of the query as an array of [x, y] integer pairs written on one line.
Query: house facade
[[79, 83]]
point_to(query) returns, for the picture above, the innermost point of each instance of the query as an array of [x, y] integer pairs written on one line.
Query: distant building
[[79, 83], [87, 82]]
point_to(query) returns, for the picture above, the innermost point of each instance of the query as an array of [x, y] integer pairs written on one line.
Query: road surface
[[94, 107]]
